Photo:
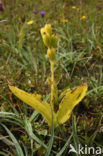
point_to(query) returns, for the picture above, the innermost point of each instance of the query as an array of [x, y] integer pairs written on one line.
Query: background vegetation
[[23, 61]]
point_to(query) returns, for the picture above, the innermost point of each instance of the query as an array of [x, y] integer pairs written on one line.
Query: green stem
[[52, 84]]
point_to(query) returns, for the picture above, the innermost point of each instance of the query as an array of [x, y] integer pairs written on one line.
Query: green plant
[[68, 99]]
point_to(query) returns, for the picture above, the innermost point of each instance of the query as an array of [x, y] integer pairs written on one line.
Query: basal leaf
[[33, 100], [70, 100], [63, 94]]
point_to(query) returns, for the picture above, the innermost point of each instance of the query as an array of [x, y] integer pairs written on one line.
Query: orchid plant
[[68, 99]]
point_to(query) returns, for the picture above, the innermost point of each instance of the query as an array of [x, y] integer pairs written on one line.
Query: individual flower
[[64, 20], [11, 14], [73, 7], [78, 9], [83, 18], [35, 11], [48, 29], [3, 41], [99, 7], [42, 13], [1, 6], [49, 39], [30, 22], [51, 52]]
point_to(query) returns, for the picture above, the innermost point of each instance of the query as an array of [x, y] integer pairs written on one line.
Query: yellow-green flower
[[49, 39], [48, 29], [51, 52], [73, 7], [64, 20], [30, 22], [78, 9], [83, 18], [3, 41]]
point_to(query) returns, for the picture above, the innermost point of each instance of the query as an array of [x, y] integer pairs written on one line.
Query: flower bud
[[51, 52], [48, 29], [54, 40]]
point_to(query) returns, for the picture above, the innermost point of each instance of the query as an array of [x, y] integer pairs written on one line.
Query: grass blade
[[65, 146], [3, 154], [16, 144], [32, 135], [51, 138], [75, 137]]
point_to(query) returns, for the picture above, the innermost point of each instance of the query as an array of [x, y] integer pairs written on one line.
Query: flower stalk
[[52, 84]]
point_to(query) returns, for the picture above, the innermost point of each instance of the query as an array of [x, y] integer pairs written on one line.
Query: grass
[[23, 61]]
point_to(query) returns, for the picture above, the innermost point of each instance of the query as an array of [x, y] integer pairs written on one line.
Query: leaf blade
[[14, 140], [70, 100], [34, 101]]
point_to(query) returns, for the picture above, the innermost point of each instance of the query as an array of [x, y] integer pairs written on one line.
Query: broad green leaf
[[70, 100], [34, 101]]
